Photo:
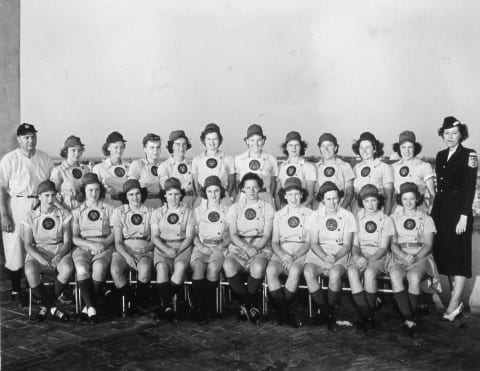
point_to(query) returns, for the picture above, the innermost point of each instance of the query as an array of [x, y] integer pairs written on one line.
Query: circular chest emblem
[[365, 171], [136, 219], [331, 224], [77, 173], [404, 171], [173, 218], [293, 221], [370, 227], [119, 172], [409, 224], [329, 171], [182, 169], [93, 215], [254, 165], [154, 170], [291, 170], [48, 223], [212, 163], [213, 216], [250, 214]]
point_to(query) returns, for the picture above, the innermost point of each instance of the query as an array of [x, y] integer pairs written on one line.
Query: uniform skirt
[[216, 257], [233, 252], [184, 256], [82, 254], [299, 262], [48, 252], [313, 258]]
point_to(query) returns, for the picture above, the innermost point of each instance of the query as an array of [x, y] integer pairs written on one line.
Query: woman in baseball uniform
[[296, 166], [290, 243], [213, 162], [411, 169], [411, 255], [211, 241], [179, 166], [370, 247], [68, 175], [173, 231], [250, 222], [330, 168], [456, 168], [331, 230], [133, 248], [254, 160], [372, 170], [48, 241], [112, 171], [93, 238], [145, 170]]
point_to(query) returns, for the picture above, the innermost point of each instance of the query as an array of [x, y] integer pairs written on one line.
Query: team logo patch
[[293, 221], [254, 165], [77, 173], [329, 171], [365, 171], [213, 216], [154, 170], [93, 215], [370, 227], [331, 224], [48, 223], [409, 224], [173, 218], [472, 160], [250, 214], [119, 172], [212, 163], [291, 170], [182, 168], [136, 219], [404, 171]]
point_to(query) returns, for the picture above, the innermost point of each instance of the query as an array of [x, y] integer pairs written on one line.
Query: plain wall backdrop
[[92, 66]]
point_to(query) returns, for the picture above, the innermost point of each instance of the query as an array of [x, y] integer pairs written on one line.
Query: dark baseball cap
[[25, 129]]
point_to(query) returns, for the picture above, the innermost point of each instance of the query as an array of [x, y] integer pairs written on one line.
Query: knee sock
[[401, 298], [126, 291], [41, 292], [163, 290], [278, 297], [253, 284], [16, 278], [414, 299], [98, 289], [372, 300], [59, 287], [86, 290], [143, 293], [174, 290], [289, 295], [320, 300], [210, 291], [361, 303], [198, 287], [238, 287], [332, 299]]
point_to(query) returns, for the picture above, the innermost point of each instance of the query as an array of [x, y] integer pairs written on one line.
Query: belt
[[250, 236], [406, 245], [153, 195], [102, 236], [169, 241], [212, 241], [29, 196], [136, 238]]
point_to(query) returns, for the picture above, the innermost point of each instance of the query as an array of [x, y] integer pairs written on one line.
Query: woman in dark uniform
[[456, 169]]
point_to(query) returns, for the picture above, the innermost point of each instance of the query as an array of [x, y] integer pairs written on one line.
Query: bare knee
[[83, 270], [231, 267]]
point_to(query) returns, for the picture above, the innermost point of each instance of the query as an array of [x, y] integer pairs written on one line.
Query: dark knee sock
[[253, 284], [361, 303], [98, 288], [210, 292], [174, 290], [401, 298], [16, 278], [198, 287], [86, 290], [372, 300], [320, 300], [163, 290], [280, 301], [289, 295], [126, 291], [238, 287], [414, 299], [143, 293], [332, 299], [41, 292], [59, 287]]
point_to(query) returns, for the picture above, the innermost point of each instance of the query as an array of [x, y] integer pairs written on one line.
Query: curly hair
[[283, 199], [250, 176], [462, 128], [380, 198], [303, 147], [204, 134], [419, 197], [377, 146], [417, 148], [143, 191], [170, 145], [81, 196]]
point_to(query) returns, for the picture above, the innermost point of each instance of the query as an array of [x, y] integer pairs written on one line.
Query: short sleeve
[[312, 221], [273, 161], [388, 227], [348, 171], [310, 172], [5, 167], [232, 215], [350, 223], [117, 218], [156, 217], [28, 221], [163, 172], [134, 170], [230, 165], [387, 174], [66, 215], [56, 177], [269, 212], [429, 226], [195, 165], [427, 171]]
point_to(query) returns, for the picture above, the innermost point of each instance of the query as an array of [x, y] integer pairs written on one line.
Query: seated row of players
[[246, 237], [152, 173]]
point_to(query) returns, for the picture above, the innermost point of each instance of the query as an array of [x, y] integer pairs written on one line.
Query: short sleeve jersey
[[416, 171], [411, 229], [303, 170], [210, 223], [93, 221], [112, 176], [291, 223], [146, 174], [250, 219], [265, 166], [220, 165], [68, 178], [181, 170], [371, 230], [134, 223], [173, 223], [339, 173], [21, 175], [48, 228], [377, 173]]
